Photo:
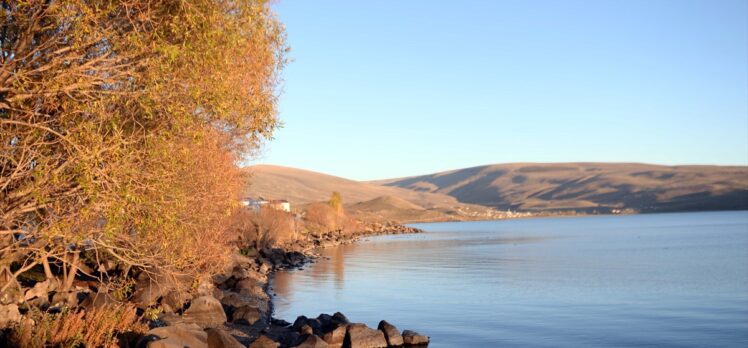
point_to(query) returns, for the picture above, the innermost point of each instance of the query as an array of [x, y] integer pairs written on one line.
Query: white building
[[258, 204]]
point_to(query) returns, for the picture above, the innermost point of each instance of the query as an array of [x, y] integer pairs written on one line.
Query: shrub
[[265, 229], [100, 327], [322, 218]]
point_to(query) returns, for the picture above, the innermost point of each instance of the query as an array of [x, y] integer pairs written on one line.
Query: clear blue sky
[[381, 89]]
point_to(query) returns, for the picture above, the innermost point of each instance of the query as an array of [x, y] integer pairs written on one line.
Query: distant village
[[257, 204]]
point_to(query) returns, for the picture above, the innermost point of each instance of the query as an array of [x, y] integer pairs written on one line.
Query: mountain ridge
[[579, 187]]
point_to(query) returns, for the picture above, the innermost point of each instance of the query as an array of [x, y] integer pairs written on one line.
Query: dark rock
[[218, 338], [325, 321], [264, 342], [391, 333], [313, 342], [205, 311], [182, 335], [246, 315], [299, 322], [414, 338], [362, 336], [313, 323], [316, 325], [340, 319], [279, 322]]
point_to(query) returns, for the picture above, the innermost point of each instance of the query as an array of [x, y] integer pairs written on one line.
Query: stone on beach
[[246, 315], [302, 321], [391, 333], [306, 330], [414, 338], [237, 300], [313, 342], [218, 338], [264, 342], [362, 336], [336, 337], [340, 318], [177, 336], [205, 311]]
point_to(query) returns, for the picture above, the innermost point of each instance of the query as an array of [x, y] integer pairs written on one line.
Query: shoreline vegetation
[[231, 307]]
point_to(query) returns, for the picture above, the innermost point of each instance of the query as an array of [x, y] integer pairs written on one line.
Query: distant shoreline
[[543, 216]]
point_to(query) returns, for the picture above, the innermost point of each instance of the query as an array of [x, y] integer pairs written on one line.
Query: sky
[[381, 89]]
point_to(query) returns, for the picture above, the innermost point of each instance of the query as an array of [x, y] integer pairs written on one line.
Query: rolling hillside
[[589, 187], [301, 187]]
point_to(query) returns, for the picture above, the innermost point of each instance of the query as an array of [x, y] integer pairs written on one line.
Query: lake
[[678, 280]]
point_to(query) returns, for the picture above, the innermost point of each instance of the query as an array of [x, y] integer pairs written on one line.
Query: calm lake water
[[678, 280]]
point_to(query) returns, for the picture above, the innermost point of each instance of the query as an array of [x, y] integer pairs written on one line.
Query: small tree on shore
[[336, 202]]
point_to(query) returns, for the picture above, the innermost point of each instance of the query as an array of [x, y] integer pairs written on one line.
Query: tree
[[121, 123], [336, 202]]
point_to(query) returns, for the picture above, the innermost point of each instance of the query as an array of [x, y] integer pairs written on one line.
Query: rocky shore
[[234, 309]]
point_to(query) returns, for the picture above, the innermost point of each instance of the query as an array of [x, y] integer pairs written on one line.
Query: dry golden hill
[[302, 187], [396, 209], [589, 187]]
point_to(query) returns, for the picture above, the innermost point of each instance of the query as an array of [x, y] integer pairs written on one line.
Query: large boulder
[[336, 337], [177, 336], [362, 336], [218, 338], [301, 321], [306, 330], [414, 338], [391, 333], [9, 316], [205, 311], [264, 342], [237, 300], [313, 341], [247, 315], [174, 301], [340, 319]]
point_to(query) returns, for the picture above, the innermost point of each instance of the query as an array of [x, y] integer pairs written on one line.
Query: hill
[[302, 187], [394, 208], [589, 187]]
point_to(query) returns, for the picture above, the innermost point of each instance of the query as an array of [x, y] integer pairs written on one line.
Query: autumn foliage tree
[[121, 123]]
